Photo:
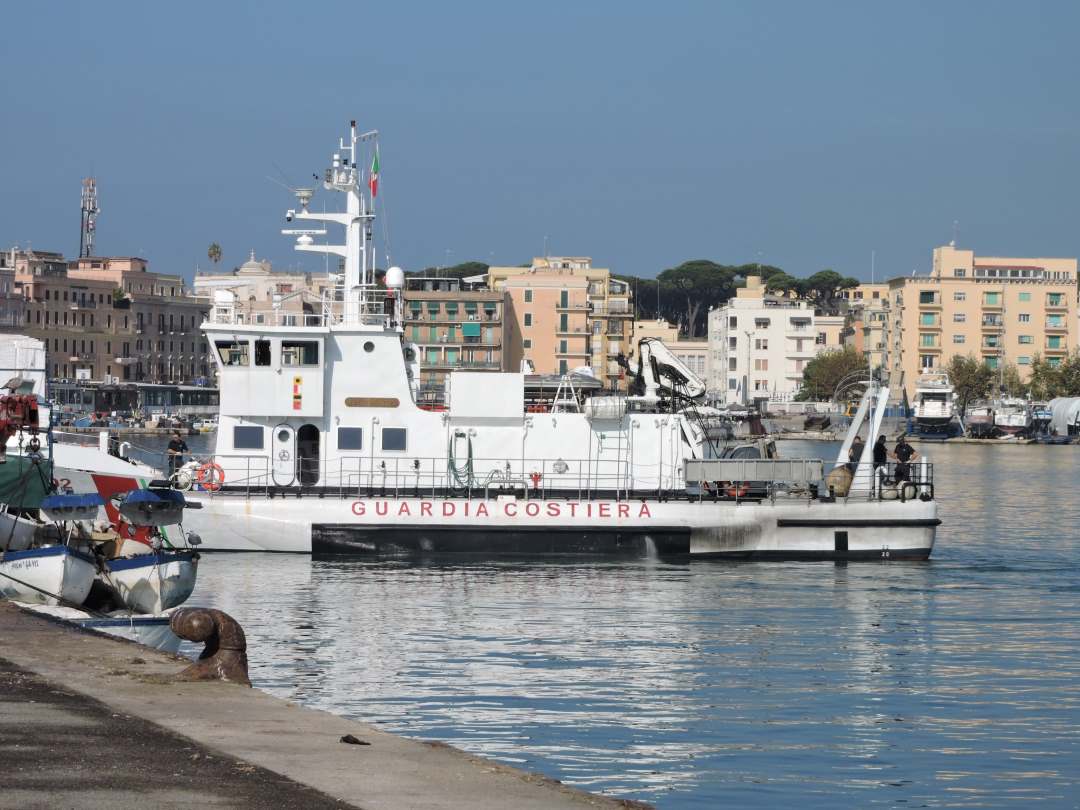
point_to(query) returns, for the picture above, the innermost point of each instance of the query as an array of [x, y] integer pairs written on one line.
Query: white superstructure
[[321, 445]]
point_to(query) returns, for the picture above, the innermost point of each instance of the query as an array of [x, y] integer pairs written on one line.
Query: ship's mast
[[358, 252]]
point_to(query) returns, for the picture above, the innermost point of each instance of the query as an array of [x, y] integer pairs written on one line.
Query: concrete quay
[[89, 722]]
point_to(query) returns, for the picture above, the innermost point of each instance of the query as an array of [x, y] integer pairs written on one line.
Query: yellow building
[[564, 313], [1000, 310]]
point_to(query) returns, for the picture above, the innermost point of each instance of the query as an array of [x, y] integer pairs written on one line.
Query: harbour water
[[690, 684]]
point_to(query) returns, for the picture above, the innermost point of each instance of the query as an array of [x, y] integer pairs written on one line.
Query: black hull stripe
[[868, 555], [810, 523]]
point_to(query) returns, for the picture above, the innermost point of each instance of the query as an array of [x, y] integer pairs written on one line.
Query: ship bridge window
[[233, 352], [393, 438], [247, 437], [262, 352], [350, 438], [299, 353]]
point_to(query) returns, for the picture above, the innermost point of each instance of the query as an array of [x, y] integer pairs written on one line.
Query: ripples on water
[[950, 683]]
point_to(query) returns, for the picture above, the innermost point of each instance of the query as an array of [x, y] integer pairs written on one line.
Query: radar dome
[[395, 278]]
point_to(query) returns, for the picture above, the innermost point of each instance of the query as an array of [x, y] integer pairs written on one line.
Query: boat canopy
[[1065, 420], [150, 497], [61, 503]]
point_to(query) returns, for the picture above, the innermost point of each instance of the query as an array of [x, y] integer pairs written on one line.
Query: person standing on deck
[[855, 454], [904, 454], [175, 451], [881, 453]]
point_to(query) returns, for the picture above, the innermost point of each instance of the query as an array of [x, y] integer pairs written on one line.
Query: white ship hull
[[784, 529], [41, 575]]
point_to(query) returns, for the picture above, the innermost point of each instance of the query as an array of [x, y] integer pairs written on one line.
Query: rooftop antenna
[[88, 217]]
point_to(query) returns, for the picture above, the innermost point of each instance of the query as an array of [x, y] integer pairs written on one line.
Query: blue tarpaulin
[[55, 503]]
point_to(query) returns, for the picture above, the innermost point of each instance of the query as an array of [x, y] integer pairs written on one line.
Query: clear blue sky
[[801, 134]]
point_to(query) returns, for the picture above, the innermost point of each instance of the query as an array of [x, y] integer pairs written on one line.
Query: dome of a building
[[253, 267]]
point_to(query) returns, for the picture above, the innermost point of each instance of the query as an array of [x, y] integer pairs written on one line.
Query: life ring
[[736, 490], [210, 476]]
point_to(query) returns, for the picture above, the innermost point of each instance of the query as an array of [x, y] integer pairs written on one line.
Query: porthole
[[369, 346], [283, 435]]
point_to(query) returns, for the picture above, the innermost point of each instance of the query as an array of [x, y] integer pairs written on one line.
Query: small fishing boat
[[47, 575], [155, 569], [979, 420], [150, 631], [1012, 416]]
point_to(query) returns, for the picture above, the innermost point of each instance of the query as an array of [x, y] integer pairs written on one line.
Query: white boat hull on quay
[[40, 575], [151, 583], [788, 528]]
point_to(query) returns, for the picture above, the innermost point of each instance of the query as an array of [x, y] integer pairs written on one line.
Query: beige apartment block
[[105, 318], [1000, 310], [693, 353], [454, 329], [591, 325], [867, 324]]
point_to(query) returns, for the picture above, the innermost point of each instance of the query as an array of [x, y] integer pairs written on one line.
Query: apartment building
[[563, 313], [693, 353], [759, 345], [108, 318], [867, 325], [454, 328], [998, 309]]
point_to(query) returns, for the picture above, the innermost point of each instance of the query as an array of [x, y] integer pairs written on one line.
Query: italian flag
[[373, 178]]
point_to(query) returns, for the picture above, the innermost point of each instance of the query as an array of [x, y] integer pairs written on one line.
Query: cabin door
[[283, 470], [307, 455]]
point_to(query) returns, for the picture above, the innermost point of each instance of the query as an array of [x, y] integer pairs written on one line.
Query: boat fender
[[910, 492], [210, 476], [736, 490]]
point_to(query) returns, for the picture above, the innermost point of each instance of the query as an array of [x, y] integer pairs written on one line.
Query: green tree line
[[684, 294], [974, 380]]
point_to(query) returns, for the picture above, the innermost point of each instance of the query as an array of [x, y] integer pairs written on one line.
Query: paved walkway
[[93, 722]]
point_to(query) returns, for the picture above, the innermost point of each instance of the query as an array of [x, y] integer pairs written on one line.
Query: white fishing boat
[[1012, 416], [158, 572], [323, 448], [149, 630], [934, 405], [48, 575]]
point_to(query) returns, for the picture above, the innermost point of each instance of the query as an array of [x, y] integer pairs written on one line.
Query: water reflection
[[953, 682]]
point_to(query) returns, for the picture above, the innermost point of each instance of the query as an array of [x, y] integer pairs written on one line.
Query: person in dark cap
[[904, 454]]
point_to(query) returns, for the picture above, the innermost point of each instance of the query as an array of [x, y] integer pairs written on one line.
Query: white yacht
[[934, 406], [321, 446], [1013, 416]]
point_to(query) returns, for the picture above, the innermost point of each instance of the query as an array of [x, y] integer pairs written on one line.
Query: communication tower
[[90, 211]]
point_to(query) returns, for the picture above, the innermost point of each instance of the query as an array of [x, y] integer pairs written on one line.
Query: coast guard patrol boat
[[322, 447]]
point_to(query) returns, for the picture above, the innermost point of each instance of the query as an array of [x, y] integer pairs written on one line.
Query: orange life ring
[[210, 476], [736, 490]]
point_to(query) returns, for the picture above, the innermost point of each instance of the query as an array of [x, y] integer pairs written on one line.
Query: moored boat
[[1012, 416], [934, 405], [48, 575], [322, 446], [979, 420]]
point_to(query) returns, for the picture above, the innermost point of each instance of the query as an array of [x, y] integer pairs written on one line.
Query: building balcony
[[992, 307], [1061, 305], [992, 324], [933, 327], [1056, 327], [572, 307], [578, 331], [618, 309], [569, 353], [1062, 349], [124, 361], [929, 350]]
